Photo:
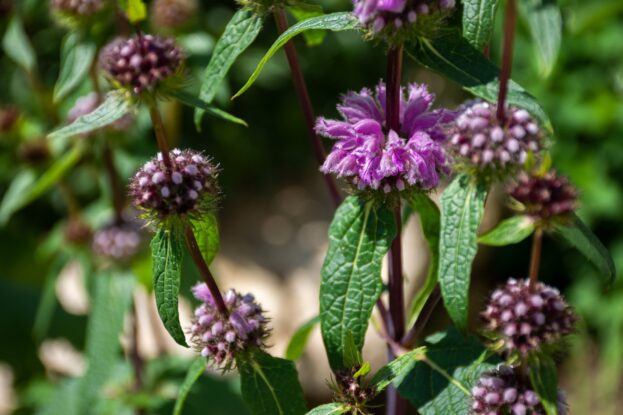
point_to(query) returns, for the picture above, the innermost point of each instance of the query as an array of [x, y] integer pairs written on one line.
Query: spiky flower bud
[[526, 316], [502, 391], [189, 188], [219, 337], [545, 197], [118, 241], [481, 143], [172, 14], [78, 7], [142, 63], [349, 390], [88, 103]]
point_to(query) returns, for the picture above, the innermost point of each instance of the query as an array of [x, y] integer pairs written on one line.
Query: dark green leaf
[[189, 99], [544, 379], [430, 222], [329, 409], [334, 21], [478, 19], [239, 33], [270, 386], [297, 343], [196, 369], [397, 368], [579, 236], [76, 59], [17, 46], [304, 11], [206, 232], [462, 207], [167, 253], [510, 231], [359, 237], [45, 310], [545, 24]]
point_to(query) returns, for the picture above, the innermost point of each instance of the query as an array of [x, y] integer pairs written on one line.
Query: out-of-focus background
[[275, 211]]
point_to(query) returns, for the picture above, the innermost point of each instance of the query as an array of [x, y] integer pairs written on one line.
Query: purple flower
[[78, 7], [118, 241], [545, 197], [371, 157], [379, 14]]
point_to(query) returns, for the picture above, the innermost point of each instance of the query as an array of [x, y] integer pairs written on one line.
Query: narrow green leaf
[[329, 409], [239, 33], [45, 310], [363, 370], [76, 59], [430, 221], [579, 236], [206, 232], [397, 368], [190, 100], [196, 369], [544, 379], [270, 385], [135, 10], [17, 46], [297, 343], [304, 11], [509, 231], [359, 237], [167, 254], [352, 353], [13, 198], [545, 25], [334, 22], [115, 106], [462, 207], [478, 19]]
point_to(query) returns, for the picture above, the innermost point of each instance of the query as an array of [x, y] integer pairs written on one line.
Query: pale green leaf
[[206, 233], [297, 343], [196, 369], [76, 59], [329, 409], [190, 100], [304, 11], [478, 19], [135, 10], [17, 46], [509, 231], [545, 24]]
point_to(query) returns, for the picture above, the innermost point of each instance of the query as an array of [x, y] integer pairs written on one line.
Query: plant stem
[[118, 195], [535, 258], [394, 71], [302, 94], [195, 253], [412, 336], [161, 136], [396, 297], [510, 16]]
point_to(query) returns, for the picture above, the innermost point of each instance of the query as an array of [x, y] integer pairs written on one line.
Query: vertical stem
[[412, 336], [394, 71], [510, 16], [302, 94], [161, 136], [118, 195], [396, 297], [535, 258]]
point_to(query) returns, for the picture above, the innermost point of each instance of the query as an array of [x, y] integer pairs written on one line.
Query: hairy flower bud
[[526, 316], [88, 103], [189, 188], [545, 197], [172, 14], [78, 7], [219, 337], [118, 241], [141, 63], [349, 390], [485, 145]]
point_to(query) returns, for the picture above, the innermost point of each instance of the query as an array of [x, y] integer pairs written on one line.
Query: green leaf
[[359, 237], [545, 25], [206, 232], [297, 343], [329, 409], [509, 231], [544, 379], [13, 198], [363, 370], [17, 46], [190, 100], [196, 369], [352, 353], [397, 368], [304, 11], [462, 207], [76, 59], [270, 386], [135, 10], [239, 33], [334, 22], [431, 222], [452, 56], [579, 236], [167, 254], [478, 19], [113, 108], [45, 310], [64, 401]]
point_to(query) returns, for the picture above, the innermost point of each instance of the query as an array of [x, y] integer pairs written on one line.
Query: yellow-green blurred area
[[275, 211]]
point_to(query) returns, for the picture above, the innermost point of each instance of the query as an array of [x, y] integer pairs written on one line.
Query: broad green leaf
[[579, 236], [329, 409], [206, 232], [462, 207], [510, 231], [478, 19], [304, 11], [297, 343], [545, 25], [359, 237], [76, 59], [115, 106], [239, 33], [334, 22], [167, 253], [17, 46], [111, 302], [544, 379], [196, 369], [135, 10], [270, 385], [430, 221], [452, 56], [190, 100]]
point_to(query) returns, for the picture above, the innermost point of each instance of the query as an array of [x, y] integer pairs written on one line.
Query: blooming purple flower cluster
[[371, 157], [379, 14], [118, 241], [526, 316], [546, 196], [88, 103], [219, 337], [78, 7]]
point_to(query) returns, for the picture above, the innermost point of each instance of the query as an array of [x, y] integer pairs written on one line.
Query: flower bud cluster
[[349, 389], [219, 337], [527, 315], [118, 241], [78, 7], [172, 14]]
